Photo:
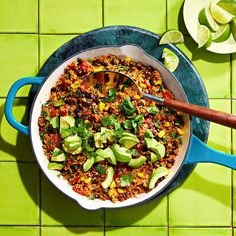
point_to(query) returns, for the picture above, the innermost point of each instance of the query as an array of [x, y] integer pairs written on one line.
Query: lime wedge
[[204, 37], [172, 36], [220, 15], [205, 18], [222, 34], [171, 61], [228, 5], [233, 28]]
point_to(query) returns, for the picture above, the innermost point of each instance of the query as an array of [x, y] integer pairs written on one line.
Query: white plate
[[191, 12]]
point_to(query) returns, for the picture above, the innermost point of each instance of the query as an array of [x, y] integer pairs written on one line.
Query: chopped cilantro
[[111, 96], [100, 169], [127, 124], [123, 68], [54, 122], [58, 103], [127, 107], [126, 180], [152, 110]]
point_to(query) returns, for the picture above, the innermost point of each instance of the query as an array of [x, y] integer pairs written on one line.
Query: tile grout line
[[40, 174], [168, 202], [231, 111]]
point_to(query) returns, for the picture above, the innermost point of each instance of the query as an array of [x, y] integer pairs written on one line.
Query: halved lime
[[172, 36], [222, 34], [171, 60], [205, 18], [228, 5], [204, 37], [233, 28], [220, 15]]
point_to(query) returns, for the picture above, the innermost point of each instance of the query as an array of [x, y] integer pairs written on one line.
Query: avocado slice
[[98, 158], [155, 146], [135, 163], [107, 154], [157, 174], [154, 157], [58, 155], [148, 134], [55, 166], [88, 164], [98, 140], [128, 142], [122, 154], [109, 134], [66, 122], [72, 144], [109, 178]]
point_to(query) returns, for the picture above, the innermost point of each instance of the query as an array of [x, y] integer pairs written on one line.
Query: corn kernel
[[128, 59], [100, 68], [141, 175], [153, 103], [161, 134], [167, 124], [112, 192], [82, 178], [88, 180], [113, 184], [142, 85], [86, 121], [137, 97], [101, 106], [180, 131], [119, 190], [158, 82], [106, 108]]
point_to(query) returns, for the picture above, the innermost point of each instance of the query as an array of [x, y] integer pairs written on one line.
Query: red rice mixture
[[94, 107]]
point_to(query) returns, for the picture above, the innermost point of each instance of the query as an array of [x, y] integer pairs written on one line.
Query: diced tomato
[[167, 94], [64, 109], [71, 66], [53, 113], [147, 83], [75, 180], [96, 117], [52, 141], [139, 147], [84, 66], [80, 191], [117, 175]]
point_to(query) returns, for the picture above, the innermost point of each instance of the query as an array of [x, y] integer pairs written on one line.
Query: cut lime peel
[[233, 28], [171, 60], [204, 37], [228, 5], [220, 15], [172, 36], [222, 34]]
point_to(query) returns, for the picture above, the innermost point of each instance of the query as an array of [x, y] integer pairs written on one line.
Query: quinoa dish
[[109, 144]]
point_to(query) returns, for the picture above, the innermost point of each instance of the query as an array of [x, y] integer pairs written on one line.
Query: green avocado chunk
[[135, 163], [109, 178], [155, 146], [88, 164], [157, 174], [128, 142], [55, 166], [109, 134], [122, 154], [154, 157], [99, 140], [58, 155], [66, 122], [98, 158], [107, 154], [72, 144]]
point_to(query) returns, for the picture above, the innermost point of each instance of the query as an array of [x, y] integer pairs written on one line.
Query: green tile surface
[[63, 16], [148, 231], [150, 15], [18, 58], [19, 16], [19, 195], [208, 189], [57, 209], [30, 31], [153, 213], [70, 231], [200, 232], [15, 146], [234, 76], [49, 43], [213, 68], [19, 231]]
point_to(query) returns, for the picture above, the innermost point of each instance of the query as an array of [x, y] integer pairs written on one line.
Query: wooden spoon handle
[[202, 112]]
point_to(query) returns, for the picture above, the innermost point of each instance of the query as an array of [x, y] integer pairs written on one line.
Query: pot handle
[[10, 100], [200, 152]]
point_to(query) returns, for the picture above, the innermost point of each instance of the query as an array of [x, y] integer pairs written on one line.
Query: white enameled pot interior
[[136, 54]]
